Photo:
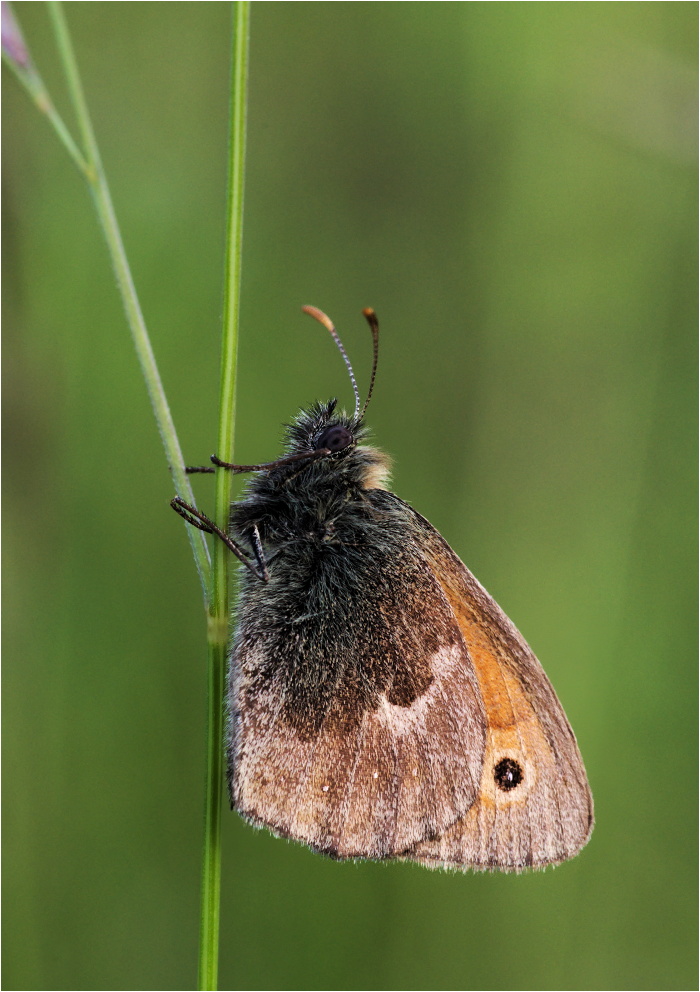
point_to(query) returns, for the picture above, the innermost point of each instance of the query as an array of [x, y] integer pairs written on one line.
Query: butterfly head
[[342, 439], [323, 427]]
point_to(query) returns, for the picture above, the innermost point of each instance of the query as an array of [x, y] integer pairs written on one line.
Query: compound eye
[[335, 438]]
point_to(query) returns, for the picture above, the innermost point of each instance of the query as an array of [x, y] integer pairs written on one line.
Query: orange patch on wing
[[497, 694], [513, 729]]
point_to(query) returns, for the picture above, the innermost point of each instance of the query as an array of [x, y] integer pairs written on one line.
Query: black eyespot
[[508, 774], [335, 438]]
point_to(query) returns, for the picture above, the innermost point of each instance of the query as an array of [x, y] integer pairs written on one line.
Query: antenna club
[[320, 316], [371, 318]]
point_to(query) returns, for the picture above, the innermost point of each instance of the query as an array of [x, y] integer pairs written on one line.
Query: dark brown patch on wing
[[357, 723], [346, 648]]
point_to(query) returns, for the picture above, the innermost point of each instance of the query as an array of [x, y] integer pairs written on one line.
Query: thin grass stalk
[[99, 189], [219, 611]]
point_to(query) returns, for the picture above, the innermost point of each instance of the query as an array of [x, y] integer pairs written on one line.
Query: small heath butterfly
[[381, 704]]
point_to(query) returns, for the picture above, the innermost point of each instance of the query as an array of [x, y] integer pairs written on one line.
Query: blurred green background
[[513, 187]]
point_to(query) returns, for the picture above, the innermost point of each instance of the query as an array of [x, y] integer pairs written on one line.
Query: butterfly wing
[[534, 805], [357, 723], [382, 705]]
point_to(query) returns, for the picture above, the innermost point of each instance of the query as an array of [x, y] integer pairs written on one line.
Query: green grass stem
[[219, 610], [99, 190]]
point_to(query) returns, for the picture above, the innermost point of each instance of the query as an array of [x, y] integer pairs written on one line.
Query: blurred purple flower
[[12, 41]]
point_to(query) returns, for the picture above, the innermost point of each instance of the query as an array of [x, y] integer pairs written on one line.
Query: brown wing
[[534, 806], [361, 736]]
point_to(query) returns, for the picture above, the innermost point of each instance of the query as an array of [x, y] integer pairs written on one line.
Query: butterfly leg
[[259, 553], [202, 522]]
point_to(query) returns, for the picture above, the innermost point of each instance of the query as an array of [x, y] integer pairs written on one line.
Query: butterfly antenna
[[320, 316], [371, 318]]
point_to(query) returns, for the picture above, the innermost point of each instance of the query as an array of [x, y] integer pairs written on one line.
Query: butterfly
[[381, 704]]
